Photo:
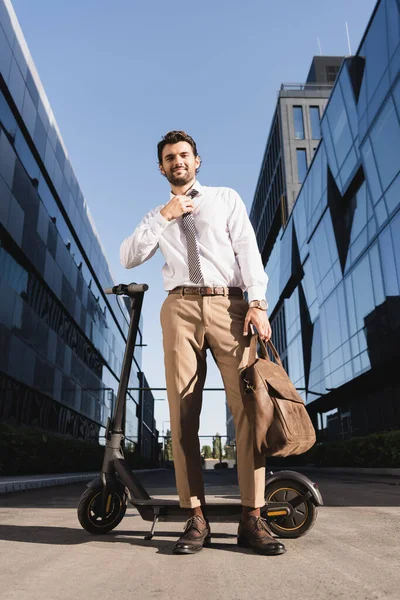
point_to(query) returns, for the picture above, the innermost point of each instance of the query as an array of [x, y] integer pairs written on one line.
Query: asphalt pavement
[[352, 552]]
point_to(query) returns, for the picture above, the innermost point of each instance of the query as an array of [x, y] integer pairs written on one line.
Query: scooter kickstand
[[153, 527]]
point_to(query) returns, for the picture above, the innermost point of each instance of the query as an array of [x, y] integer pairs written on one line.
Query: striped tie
[[195, 273]]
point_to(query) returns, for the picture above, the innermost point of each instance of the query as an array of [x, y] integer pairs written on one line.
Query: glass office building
[[61, 338], [293, 139], [334, 268]]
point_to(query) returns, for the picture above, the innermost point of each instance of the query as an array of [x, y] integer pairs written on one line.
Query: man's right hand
[[177, 206]]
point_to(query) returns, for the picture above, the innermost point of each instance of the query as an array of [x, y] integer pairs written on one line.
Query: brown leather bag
[[278, 417]]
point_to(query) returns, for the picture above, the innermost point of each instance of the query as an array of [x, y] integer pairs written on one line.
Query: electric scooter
[[291, 499]]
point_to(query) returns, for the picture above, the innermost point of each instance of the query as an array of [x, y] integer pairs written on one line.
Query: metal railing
[[300, 87]]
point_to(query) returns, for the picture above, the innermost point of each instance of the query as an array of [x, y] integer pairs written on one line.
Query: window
[[315, 123], [301, 164], [385, 140], [298, 123], [331, 73]]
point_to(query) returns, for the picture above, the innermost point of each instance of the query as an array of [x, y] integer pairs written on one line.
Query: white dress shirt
[[229, 254]]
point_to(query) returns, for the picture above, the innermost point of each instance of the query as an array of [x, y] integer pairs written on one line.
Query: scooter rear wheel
[[304, 516], [90, 513]]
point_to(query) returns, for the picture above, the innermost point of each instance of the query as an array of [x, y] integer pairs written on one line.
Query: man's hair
[[173, 137]]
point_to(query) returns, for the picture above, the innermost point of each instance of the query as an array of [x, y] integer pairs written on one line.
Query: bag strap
[[263, 350]]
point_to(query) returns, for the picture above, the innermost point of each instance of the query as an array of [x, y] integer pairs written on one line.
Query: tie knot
[[192, 193]]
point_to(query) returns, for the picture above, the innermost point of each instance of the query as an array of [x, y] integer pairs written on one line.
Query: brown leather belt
[[208, 291]]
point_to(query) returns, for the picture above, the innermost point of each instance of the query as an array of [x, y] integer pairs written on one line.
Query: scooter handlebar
[[127, 289]]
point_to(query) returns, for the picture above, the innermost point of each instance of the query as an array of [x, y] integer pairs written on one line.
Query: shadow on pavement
[[65, 536]]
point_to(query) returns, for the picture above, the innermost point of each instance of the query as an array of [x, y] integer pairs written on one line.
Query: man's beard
[[180, 180]]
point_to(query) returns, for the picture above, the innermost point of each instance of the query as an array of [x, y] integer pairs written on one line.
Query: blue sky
[[119, 75]]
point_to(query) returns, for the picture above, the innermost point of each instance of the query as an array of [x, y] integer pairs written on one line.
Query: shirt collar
[[196, 186]]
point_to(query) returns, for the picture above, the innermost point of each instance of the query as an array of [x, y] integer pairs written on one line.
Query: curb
[[30, 482], [382, 472]]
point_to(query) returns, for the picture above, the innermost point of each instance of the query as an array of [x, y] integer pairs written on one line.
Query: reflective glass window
[[310, 289], [5, 55], [348, 95], [379, 96], [347, 170], [286, 255], [376, 50], [392, 195], [376, 270], [7, 160], [343, 321], [363, 291], [395, 229], [362, 98], [330, 315], [381, 212], [31, 85], [298, 122], [359, 224], [326, 134], [295, 360], [351, 309], [315, 123], [385, 140], [396, 96], [299, 216], [12, 272], [324, 246], [40, 137], [292, 314], [26, 156], [316, 380], [339, 125], [388, 263], [29, 113], [16, 85], [393, 25], [6, 117], [49, 159], [301, 164], [272, 269], [371, 172]]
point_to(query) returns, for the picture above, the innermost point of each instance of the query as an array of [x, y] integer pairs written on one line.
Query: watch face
[[260, 304]]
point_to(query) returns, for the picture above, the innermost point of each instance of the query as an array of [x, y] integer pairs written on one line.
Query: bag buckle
[[249, 387]]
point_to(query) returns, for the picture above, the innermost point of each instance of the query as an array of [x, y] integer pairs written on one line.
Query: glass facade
[[62, 338], [335, 266], [290, 147]]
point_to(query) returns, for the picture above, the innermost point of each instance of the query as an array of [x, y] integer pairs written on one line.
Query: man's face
[[179, 164]]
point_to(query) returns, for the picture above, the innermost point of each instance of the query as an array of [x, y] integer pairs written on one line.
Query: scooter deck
[[218, 509]]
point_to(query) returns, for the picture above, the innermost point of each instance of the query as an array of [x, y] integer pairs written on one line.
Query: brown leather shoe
[[254, 533], [197, 534]]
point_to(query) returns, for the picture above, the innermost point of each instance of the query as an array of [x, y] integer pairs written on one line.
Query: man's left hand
[[259, 319]]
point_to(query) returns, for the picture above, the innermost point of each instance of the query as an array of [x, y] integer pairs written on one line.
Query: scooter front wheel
[[304, 515], [90, 509]]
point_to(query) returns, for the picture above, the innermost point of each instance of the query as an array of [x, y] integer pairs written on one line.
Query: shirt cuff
[[255, 292], [158, 223]]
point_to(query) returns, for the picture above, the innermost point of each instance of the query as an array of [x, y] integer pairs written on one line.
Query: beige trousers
[[191, 324]]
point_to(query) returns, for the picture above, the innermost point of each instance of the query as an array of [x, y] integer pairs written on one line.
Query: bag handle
[[263, 350]]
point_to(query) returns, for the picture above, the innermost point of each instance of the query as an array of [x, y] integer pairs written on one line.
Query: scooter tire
[[305, 514], [89, 513]]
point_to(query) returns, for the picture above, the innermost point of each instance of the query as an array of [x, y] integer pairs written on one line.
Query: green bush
[[29, 451], [375, 450]]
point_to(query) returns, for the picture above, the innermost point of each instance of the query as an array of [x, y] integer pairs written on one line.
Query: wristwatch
[[261, 304]]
